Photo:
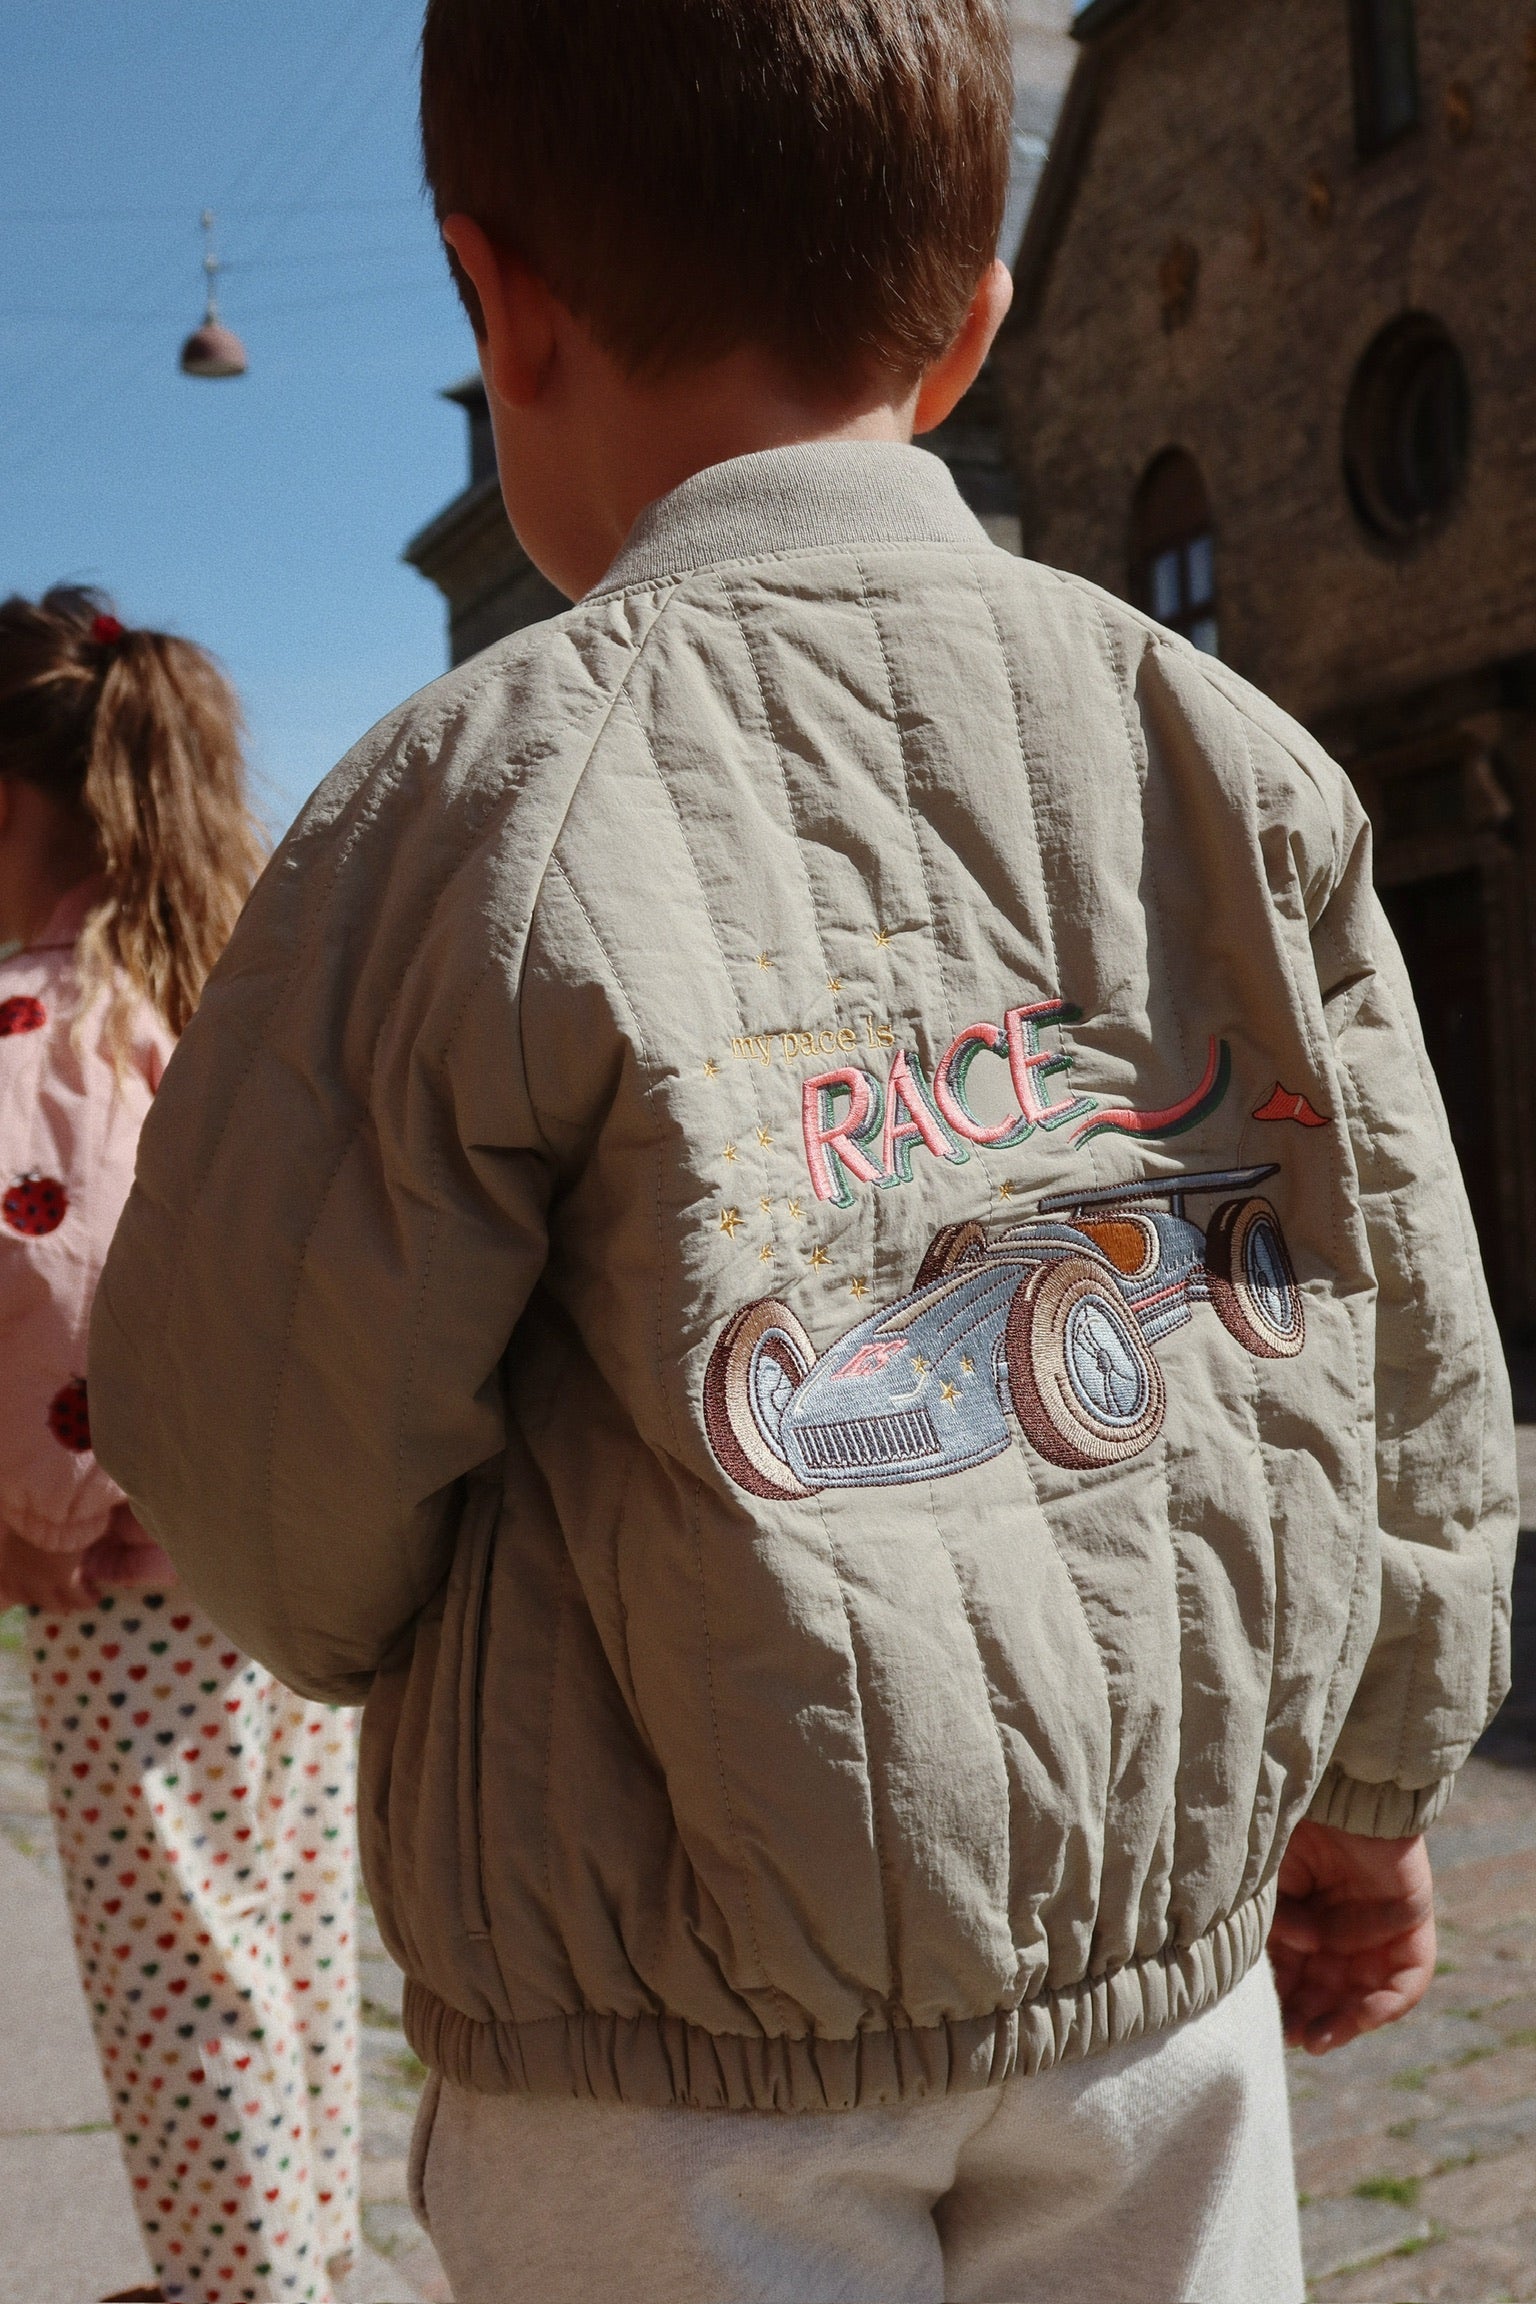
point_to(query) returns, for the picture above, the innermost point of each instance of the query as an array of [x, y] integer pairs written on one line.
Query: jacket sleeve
[[1447, 1498], [339, 1214]]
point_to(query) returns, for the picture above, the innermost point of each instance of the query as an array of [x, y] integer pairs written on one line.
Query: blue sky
[[264, 517]]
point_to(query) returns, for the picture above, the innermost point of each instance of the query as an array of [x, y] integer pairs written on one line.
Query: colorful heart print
[[35, 1206]]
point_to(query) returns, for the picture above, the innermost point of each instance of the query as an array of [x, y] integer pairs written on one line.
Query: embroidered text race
[[860, 1129]]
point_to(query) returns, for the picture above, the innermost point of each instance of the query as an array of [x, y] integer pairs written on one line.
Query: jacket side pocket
[[482, 1519], [421, 2146]]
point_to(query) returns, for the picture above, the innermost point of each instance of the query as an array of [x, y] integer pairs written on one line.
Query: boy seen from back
[[807, 1237]]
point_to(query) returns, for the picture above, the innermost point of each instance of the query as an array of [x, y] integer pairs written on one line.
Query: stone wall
[[1226, 127], [1207, 262]]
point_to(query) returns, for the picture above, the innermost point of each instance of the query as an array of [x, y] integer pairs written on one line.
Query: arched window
[[1408, 429], [1173, 550]]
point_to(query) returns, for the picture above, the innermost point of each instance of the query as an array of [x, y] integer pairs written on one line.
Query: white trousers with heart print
[[205, 1819]]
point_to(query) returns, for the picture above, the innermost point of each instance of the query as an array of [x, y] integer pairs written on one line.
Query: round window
[[1408, 429]]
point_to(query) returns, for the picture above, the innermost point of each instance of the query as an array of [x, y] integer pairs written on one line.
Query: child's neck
[[44, 852], [636, 441], [585, 444]]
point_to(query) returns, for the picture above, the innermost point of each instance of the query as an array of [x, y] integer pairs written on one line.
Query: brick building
[[1272, 373]]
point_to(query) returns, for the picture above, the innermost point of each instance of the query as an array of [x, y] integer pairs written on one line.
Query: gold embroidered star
[[796, 1212], [1005, 1189], [949, 1393], [763, 960], [819, 1258], [730, 1222], [711, 1069], [967, 1364], [919, 1363], [859, 1288], [764, 1139], [729, 1153], [766, 1205], [834, 983], [765, 1254], [882, 937]]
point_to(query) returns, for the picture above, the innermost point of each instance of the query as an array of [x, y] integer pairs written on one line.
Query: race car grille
[[867, 1441]]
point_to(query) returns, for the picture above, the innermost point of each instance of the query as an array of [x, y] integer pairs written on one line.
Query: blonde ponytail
[[142, 734]]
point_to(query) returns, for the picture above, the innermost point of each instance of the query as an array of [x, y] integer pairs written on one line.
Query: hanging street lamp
[[212, 350]]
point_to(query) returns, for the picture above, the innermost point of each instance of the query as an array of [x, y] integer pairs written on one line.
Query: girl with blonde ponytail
[[204, 1814]]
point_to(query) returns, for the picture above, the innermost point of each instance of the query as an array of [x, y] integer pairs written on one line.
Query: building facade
[[1272, 374]]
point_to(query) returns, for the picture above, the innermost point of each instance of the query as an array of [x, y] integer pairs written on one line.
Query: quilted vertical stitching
[[1027, 769], [693, 1486], [986, 1680], [883, 1863], [906, 794], [1141, 758], [776, 740]]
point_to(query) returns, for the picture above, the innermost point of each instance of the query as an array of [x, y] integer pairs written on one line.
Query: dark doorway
[[1441, 927]]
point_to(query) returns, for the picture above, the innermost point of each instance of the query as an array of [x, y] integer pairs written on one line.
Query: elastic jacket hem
[[1378, 1811], [659, 2060]]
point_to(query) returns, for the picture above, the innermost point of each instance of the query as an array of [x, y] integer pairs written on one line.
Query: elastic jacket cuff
[[1378, 1811]]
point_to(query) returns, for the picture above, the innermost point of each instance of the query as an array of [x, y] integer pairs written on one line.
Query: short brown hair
[[824, 179]]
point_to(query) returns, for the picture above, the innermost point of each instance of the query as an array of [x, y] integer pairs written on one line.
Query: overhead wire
[[259, 170], [315, 127], [275, 157], [310, 120], [178, 212], [52, 316]]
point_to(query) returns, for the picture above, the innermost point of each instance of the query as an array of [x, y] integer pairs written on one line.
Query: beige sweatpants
[[1155, 2174]]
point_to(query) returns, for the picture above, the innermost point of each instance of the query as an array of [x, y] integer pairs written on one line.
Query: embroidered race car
[[1048, 1326]]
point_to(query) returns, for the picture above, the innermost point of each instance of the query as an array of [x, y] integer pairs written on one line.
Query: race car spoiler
[[1174, 1189]]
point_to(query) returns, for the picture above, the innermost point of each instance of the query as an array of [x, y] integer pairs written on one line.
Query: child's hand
[[126, 1556], [57, 1582], [1353, 1944]]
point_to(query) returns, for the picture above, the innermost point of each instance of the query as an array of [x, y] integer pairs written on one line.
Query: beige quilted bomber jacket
[[807, 1234]]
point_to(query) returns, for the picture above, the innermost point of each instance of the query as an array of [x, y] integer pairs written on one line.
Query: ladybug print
[[21, 1014], [69, 1417], [35, 1206]]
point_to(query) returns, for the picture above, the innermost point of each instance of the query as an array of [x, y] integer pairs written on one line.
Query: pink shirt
[[69, 1130]]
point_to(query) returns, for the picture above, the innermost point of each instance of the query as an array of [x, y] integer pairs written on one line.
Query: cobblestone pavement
[[1414, 2148]]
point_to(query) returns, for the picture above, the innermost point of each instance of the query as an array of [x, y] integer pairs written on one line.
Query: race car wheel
[[755, 1369], [945, 1250], [1083, 1382], [1253, 1281]]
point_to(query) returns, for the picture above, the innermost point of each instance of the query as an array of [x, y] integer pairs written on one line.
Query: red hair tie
[[106, 631]]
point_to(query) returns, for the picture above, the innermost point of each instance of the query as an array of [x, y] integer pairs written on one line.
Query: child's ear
[[511, 311], [950, 378], [469, 294]]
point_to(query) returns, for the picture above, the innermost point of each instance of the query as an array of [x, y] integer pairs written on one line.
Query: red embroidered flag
[[1286, 1105]]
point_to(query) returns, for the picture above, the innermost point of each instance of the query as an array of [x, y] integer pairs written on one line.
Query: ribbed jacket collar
[[793, 500]]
